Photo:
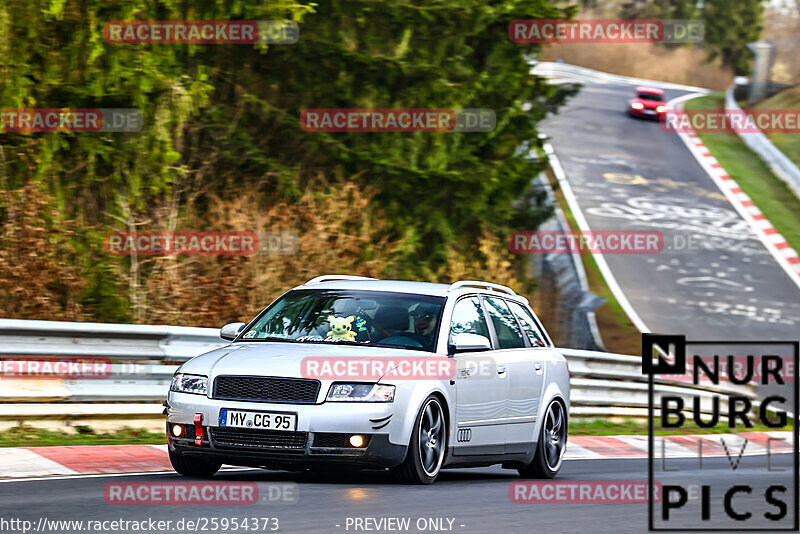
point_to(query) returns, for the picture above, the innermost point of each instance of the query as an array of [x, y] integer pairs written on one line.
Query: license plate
[[259, 420], [649, 112]]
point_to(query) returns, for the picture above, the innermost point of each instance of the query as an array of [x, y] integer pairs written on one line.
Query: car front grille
[[248, 438], [330, 440], [266, 389]]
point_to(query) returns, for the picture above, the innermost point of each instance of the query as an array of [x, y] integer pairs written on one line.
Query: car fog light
[[357, 440], [177, 430]]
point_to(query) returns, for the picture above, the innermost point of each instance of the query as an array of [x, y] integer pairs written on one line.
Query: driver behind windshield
[[425, 319], [349, 316]]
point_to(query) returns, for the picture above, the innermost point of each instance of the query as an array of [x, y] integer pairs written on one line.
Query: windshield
[[359, 317], [650, 96]]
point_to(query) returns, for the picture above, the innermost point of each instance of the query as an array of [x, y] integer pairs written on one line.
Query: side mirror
[[465, 342], [231, 330]]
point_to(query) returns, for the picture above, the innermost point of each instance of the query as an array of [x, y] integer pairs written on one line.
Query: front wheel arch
[[446, 409], [539, 466], [412, 470]]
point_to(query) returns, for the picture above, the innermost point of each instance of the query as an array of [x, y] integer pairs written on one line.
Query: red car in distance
[[647, 102]]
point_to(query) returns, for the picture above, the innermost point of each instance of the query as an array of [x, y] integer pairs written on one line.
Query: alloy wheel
[[555, 435], [431, 438]]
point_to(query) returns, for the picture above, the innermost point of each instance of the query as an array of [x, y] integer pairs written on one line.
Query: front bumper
[[313, 421], [643, 113], [378, 453]]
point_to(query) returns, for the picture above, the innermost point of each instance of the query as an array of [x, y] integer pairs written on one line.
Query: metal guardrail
[[113, 341], [604, 383], [780, 165], [145, 357], [575, 316]]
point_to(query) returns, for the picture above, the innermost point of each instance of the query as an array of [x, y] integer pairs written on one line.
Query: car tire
[[427, 446], [193, 467], [551, 445]]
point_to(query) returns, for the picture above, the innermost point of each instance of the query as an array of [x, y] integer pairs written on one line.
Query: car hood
[[282, 359]]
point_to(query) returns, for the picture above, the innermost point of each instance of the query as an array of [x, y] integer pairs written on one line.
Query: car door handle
[[501, 369], [538, 368]]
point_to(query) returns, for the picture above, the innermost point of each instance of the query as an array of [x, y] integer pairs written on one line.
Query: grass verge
[[28, 436], [787, 142], [768, 192], [603, 427]]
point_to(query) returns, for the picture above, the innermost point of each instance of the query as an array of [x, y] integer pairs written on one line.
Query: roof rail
[[484, 285], [331, 277]]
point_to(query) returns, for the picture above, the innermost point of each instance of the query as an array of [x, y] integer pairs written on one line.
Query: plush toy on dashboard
[[341, 329]]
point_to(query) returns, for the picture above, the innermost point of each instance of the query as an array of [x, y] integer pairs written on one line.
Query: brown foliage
[[40, 274], [339, 232], [492, 262], [684, 65]]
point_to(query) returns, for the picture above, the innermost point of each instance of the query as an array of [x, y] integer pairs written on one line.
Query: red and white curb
[[22, 462], [596, 447], [776, 244], [29, 462]]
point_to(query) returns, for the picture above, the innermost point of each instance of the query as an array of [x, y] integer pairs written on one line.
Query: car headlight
[[189, 384], [344, 392], [661, 109], [637, 105]]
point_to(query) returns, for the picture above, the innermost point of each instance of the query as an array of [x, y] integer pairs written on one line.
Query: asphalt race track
[[628, 174], [476, 500], [714, 280]]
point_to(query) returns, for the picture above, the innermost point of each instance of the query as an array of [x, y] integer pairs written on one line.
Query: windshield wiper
[[404, 347], [340, 342]]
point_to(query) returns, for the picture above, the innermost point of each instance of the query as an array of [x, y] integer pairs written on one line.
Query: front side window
[[508, 333], [378, 318]]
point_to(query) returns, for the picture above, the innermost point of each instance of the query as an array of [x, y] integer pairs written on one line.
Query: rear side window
[[468, 318], [535, 335], [508, 333]]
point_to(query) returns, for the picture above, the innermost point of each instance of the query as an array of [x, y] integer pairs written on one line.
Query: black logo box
[[679, 367]]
